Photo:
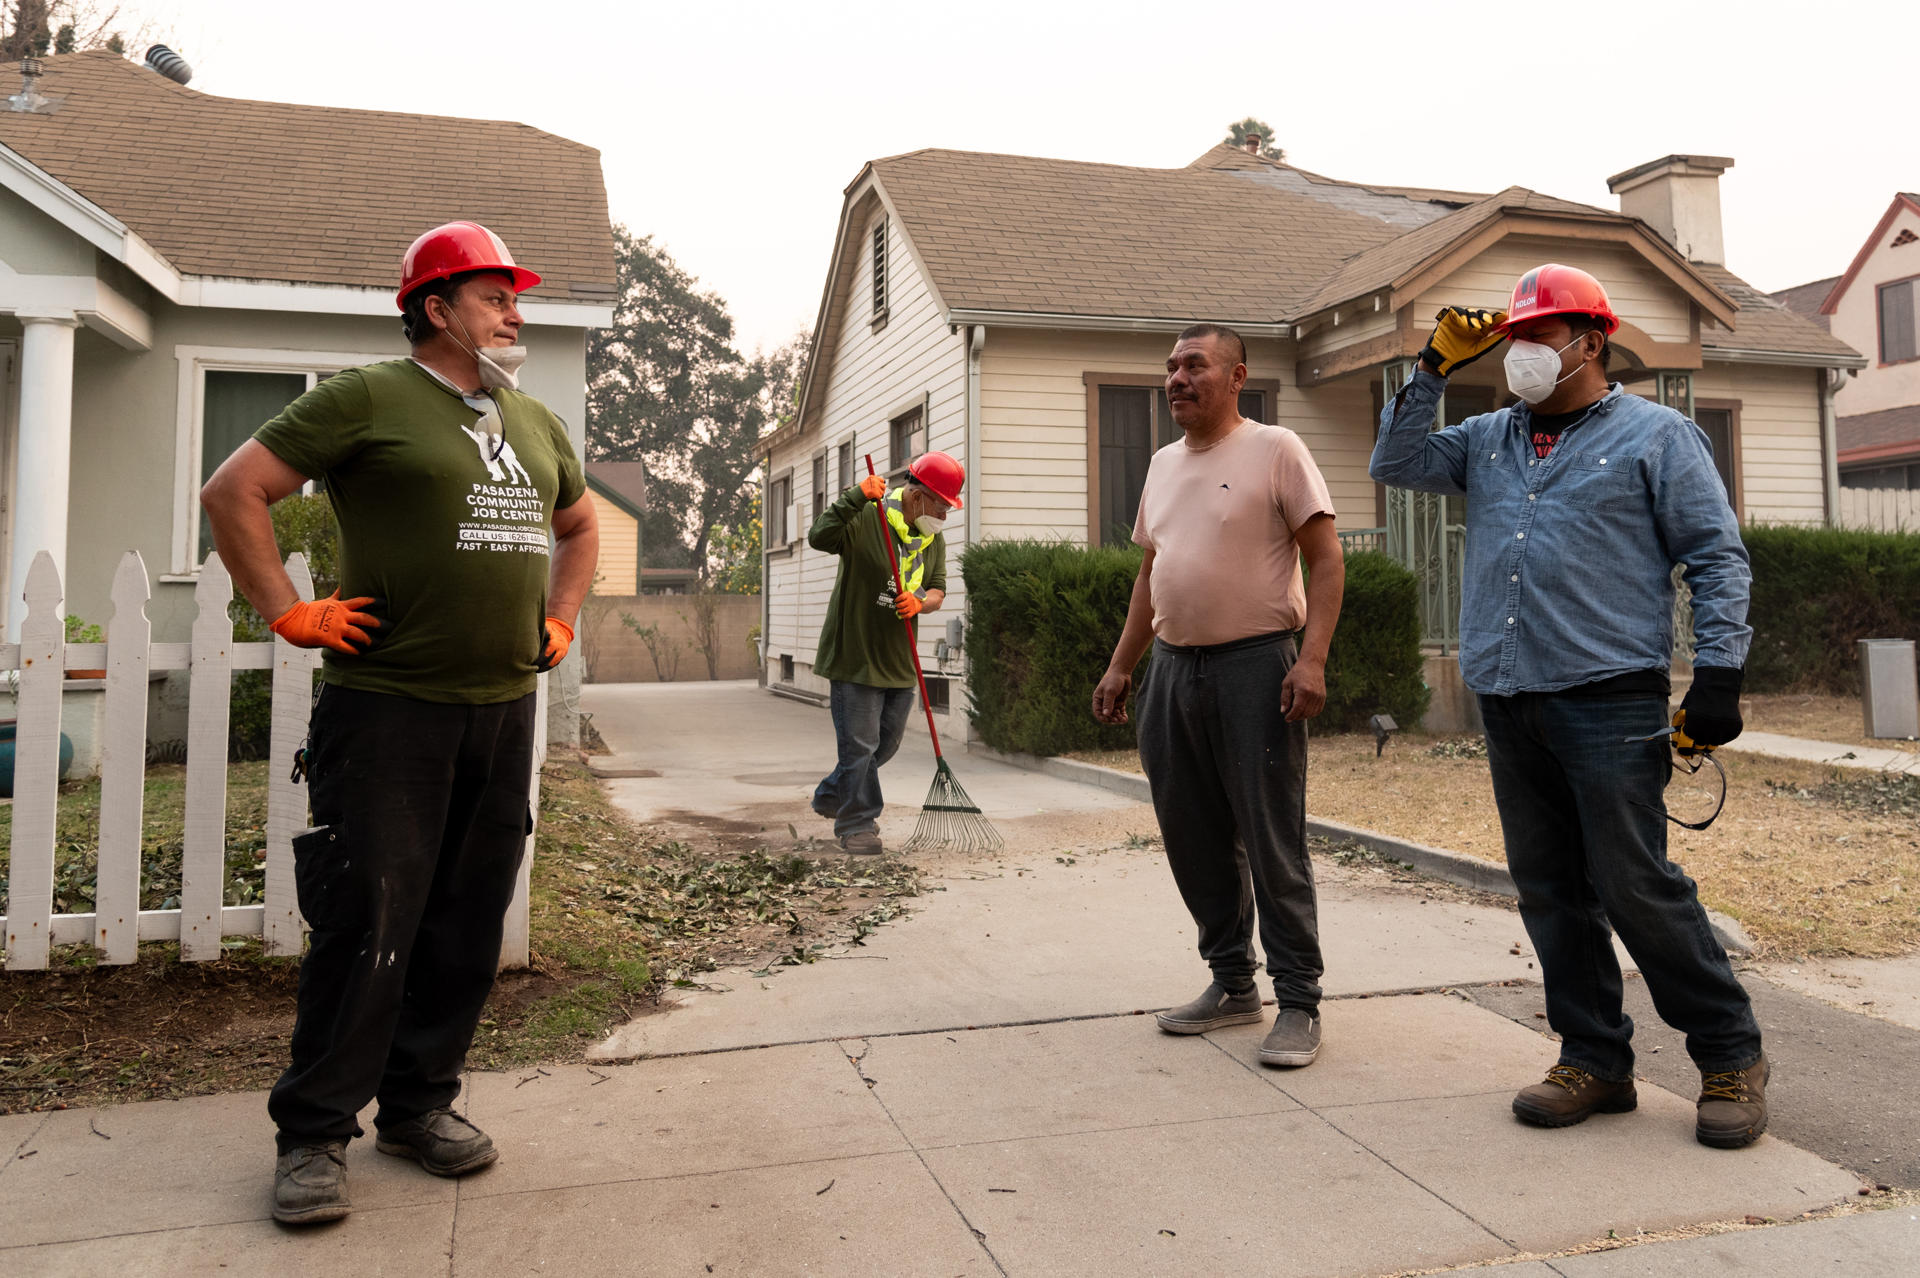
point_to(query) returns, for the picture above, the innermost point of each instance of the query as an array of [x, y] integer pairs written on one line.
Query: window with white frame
[[225, 395], [774, 519], [819, 482], [846, 465], [906, 438]]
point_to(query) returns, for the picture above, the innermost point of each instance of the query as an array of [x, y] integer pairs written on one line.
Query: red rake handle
[[900, 588]]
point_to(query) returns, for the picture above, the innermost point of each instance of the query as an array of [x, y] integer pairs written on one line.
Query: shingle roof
[[1804, 300], [1878, 430], [625, 480], [1379, 267], [227, 187], [1766, 325], [1231, 237], [1003, 232]]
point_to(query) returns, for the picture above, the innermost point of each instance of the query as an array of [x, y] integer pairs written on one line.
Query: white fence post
[[123, 766], [36, 770], [287, 798], [516, 937], [203, 863]]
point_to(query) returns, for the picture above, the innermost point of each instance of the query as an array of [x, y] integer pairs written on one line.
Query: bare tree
[[35, 28]]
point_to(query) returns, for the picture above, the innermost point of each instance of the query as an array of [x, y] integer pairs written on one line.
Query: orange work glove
[[873, 487], [556, 636], [908, 606], [340, 624]]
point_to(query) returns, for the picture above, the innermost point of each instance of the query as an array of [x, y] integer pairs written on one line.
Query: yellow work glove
[[908, 606], [873, 487], [1461, 335]]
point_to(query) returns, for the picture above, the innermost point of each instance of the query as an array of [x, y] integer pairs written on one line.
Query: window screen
[[235, 406], [1896, 322]]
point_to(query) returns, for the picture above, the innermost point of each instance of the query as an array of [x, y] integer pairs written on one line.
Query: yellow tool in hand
[[1692, 756]]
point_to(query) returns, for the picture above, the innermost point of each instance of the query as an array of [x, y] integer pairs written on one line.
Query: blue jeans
[[868, 724], [1587, 844]]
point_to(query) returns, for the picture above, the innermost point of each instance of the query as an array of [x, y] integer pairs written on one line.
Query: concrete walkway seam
[[1438, 863]]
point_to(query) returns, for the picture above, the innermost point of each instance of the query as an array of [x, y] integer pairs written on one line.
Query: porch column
[[41, 482]]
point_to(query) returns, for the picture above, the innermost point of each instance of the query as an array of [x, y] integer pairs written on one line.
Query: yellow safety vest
[[913, 559]]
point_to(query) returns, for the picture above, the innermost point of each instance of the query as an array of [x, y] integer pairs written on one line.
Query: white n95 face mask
[[500, 366], [929, 524], [1533, 369]]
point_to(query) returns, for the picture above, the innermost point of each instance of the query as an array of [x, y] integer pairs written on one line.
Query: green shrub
[[1374, 665], [1816, 591], [1043, 619]]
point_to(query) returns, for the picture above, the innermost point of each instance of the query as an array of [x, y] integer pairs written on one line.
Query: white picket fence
[[204, 920], [1880, 509]]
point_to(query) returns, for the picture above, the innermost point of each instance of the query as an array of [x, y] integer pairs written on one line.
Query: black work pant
[[1229, 781], [421, 819]]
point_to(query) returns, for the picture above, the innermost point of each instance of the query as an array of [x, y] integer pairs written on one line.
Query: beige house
[[618, 491], [1873, 308], [1017, 312], [176, 267]]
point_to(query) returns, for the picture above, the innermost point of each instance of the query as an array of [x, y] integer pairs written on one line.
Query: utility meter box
[[1889, 688]]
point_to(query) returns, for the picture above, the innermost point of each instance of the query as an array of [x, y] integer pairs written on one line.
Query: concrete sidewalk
[[973, 1092]]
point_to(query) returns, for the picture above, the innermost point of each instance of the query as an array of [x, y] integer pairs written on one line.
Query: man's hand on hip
[[1462, 335], [873, 487], [1303, 693], [556, 636], [340, 624], [1110, 697]]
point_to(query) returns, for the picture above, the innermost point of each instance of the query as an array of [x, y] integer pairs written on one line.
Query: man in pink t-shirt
[[1226, 516]]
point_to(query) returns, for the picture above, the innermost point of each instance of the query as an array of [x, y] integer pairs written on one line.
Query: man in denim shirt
[[1579, 502]]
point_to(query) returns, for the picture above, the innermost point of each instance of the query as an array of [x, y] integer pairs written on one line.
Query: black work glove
[[1711, 709], [1461, 335]]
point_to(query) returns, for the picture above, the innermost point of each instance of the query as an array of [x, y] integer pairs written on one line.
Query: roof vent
[[168, 63], [29, 98]]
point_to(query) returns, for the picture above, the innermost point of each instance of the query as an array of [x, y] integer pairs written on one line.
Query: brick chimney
[[1251, 144], [1678, 196]]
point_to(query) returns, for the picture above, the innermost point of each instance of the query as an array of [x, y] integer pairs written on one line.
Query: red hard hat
[[1554, 289], [453, 248], [941, 473]]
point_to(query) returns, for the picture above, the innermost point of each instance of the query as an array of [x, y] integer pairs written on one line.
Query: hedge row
[[1043, 618], [1816, 592]]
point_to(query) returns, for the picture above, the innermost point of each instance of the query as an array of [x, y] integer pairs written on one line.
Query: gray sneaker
[[1213, 1009], [310, 1184], [1294, 1039], [862, 843], [440, 1141]]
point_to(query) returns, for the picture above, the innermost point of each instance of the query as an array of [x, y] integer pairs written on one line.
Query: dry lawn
[[1813, 861], [1815, 716]]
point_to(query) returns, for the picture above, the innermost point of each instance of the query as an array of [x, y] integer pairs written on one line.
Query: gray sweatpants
[[1229, 780]]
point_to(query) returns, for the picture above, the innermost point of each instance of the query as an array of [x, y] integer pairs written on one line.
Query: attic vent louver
[[30, 98], [168, 63]]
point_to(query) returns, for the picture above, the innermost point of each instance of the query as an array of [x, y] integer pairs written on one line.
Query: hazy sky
[[728, 131]]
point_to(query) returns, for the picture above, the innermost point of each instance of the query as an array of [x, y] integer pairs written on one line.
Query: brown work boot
[[1568, 1095], [310, 1184], [1733, 1106]]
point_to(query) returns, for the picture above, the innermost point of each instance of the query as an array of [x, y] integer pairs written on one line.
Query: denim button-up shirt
[[1569, 557]]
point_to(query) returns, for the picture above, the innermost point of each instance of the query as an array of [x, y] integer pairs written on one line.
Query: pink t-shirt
[[1220, 522]]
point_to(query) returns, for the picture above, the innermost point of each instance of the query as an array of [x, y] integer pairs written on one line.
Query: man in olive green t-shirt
[[446, 482], [863, 647]]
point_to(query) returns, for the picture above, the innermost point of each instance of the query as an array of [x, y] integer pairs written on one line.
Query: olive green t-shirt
[[862, 640], [451, 540]]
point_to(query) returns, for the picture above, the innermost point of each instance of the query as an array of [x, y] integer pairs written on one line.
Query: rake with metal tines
[[949, 820]]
